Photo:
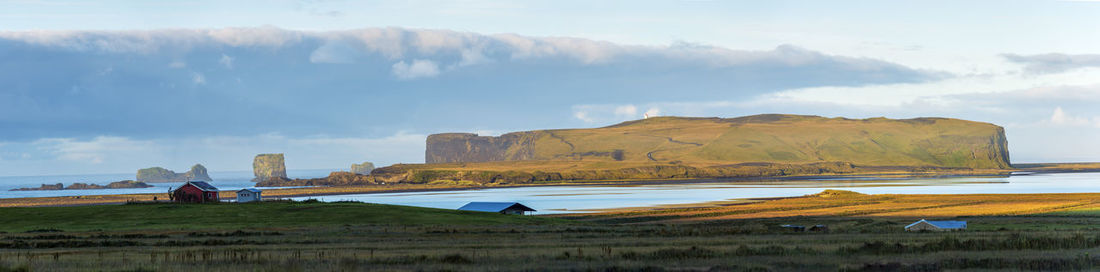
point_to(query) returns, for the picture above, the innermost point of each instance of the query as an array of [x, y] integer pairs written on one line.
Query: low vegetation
[[835, 203], [311, 236], [168, 216]]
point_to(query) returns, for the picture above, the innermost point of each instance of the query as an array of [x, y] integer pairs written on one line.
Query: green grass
[[250, 215]]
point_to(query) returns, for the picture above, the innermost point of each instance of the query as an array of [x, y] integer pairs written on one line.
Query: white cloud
[[226, 61], [1054, 62], [609, 113], [177, 64], [336, 51], [417, 69], [902, 93], [651, 112], [198, 78], [1061, 117], [583, 116], [449, 48], [268, 36], [96, 150], [626, 111]]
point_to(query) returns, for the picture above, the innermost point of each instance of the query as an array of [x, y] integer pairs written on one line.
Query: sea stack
[[266, 166], [159, 174], [198, 173], [362, 168]]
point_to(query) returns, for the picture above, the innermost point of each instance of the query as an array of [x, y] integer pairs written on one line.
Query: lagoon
[[588, 198]]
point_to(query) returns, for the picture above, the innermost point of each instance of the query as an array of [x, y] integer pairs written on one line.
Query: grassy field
[[168, 216], [1058, 233], [848, 204]]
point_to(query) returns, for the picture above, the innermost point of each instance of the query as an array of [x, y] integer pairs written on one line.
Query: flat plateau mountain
[[770, 145], [770, 138]]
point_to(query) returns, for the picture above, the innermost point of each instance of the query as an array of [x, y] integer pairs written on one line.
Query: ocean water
[[226, 180], [573, 199]]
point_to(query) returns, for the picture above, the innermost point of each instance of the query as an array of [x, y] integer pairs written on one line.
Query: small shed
[[928, 225], [497, 207], [248, 195], [195, 192]]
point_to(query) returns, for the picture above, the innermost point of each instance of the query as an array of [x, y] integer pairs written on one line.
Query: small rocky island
[[125, 184], [159, 174], [268, 166]]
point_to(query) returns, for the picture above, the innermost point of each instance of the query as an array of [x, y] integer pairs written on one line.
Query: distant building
[[248, 195], [195, 192], [793, 227], [936, 225], [497, 207]]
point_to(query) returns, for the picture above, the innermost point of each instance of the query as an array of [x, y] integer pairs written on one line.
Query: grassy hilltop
[[772, 138]]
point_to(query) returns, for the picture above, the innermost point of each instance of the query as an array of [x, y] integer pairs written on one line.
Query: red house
[[195, 192]]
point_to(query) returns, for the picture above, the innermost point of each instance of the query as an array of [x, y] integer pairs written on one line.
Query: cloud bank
[[74, 97], [1054, 62], [246, 81]]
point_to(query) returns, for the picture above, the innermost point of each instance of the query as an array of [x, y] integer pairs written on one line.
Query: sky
[[113, 86]]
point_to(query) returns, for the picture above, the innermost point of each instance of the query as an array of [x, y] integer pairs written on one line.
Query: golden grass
[[859, 205]]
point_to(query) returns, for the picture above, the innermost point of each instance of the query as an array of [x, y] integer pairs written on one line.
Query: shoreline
[[273, 194]]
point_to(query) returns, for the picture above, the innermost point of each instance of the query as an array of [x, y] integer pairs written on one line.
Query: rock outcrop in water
[[125, 184], [267, 166], [771, 138], [362, 168], [159, 174]]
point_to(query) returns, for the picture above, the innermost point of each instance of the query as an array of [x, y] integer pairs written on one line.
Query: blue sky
[[113, 86]]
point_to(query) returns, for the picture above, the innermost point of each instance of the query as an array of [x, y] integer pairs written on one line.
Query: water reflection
[[567, 199]]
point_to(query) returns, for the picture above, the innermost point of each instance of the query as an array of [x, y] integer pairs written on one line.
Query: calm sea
[[228, 180]]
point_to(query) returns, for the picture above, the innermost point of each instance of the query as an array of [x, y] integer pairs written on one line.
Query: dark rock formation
[[84, 186], [45, 187], [468, 147], [362, 168], [159, 174], [266, 166]]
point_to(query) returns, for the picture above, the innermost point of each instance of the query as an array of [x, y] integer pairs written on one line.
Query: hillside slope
[[772, 138]]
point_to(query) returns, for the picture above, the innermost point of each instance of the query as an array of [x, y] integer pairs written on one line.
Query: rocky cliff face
[[159, 174], [771, 138], [469, 147], [362, 168], [266, 166]]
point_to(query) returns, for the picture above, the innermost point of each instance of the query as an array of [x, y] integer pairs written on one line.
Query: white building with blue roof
[[497, 207], [929, 225], [248, 195]]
